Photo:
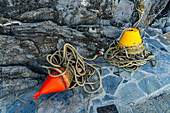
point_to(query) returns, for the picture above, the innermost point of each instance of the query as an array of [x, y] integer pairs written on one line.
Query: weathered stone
[[106, 71], [121, 13], [155, 33], [146, 107], [110, 84], [138, 75], [163, 79], [16, 78], [30, 107], [159, 69], [46, 107], [41, 14], [108, 98], [124, 110], [149, 84], [129, 93], [124, 74], [16, 105], [155, 50], [160, 23], [7, 100], [163, 58], [96, 102], [161, 104], [63, 98]]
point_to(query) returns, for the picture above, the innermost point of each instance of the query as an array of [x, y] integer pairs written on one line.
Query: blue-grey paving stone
[[7, 100], [110, 84], [62, 98], [146, 107], [108, 98], [15, 106], [105, 71], [29, 95], [156, 44], [47, 96], [154, 50], [84, 95], [163, 58], [163, 79], [151, 32], [161, 102], [124, 110], [124, 74], [29, 107], [138, 75], [159, 69], [0, 111], [96, 102], [149, 84], [82, 109], [91, 110], [124, 81], [129, 93]]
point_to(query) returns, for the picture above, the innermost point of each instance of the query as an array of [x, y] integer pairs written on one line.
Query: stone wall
[[43, 26]]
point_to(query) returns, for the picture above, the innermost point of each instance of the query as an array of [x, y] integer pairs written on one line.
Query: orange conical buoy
[[55, 84]]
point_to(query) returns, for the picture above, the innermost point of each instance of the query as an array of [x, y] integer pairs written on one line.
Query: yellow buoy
[[131, 41]]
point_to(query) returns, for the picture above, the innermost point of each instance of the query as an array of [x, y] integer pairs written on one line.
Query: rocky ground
[[29, 30]]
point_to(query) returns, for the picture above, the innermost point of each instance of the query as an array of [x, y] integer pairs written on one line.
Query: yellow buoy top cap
[[131, 38]]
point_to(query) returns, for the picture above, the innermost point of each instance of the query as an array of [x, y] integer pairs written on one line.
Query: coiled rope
[[140, 8], [129, 62], [71, 60]]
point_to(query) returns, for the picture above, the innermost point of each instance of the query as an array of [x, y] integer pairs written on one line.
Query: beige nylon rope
[[140, 8], [129, 62], [70, 59]]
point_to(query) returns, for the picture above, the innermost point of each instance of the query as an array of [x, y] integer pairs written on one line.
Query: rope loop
[[68, 58]]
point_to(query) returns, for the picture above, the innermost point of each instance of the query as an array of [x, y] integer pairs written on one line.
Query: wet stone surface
[[87, 25], [118, 94], [149, 84], [129, 93]]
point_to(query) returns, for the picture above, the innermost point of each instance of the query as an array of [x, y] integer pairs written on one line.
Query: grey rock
[[46, 107], [17, 78], [154, 7], [110, 84], [129, 93], [163, 79], [138, 75], [30, 107], [118, 12], [16, 105], [146, 107], [160, 23], [106, 71], [161, 104], [41, 14], [123, 74], [124, 109], [7, 100], [108, 98], [63, 98], [149, 84], [163, 58], [167, 29], [156, 44], [122, 13], [159, 69], [96, 102]]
